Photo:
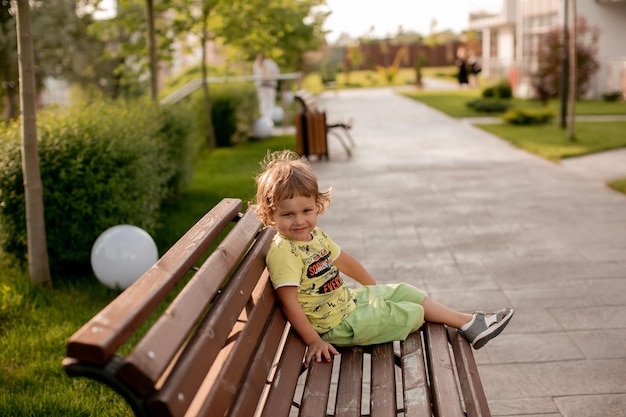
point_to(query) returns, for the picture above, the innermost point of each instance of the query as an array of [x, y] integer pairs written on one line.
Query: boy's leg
[[436, 312], [477, 328]]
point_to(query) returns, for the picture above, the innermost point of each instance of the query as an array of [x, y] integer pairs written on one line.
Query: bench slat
[[383, 390], [145, 365], [474, 395], [221, 384], [316, 389], [444, 390], [283, 384], [190, 372], [100, 338], [414, 379], [350, 383], [254, 385], [218, 387]]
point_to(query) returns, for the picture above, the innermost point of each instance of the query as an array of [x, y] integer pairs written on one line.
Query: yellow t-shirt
[[325, 298]]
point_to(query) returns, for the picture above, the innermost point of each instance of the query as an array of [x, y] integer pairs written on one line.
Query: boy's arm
[[317, 348], [348, 265]]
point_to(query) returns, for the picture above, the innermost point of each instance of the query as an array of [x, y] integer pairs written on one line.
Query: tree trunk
[[11, 110], [572, 74], [154, 70], [35, 226], [211, 140]]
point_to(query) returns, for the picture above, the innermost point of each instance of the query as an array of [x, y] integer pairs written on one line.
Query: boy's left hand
[[318, 350]]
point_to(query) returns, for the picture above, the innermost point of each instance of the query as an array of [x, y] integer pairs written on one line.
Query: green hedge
[[489, 105], [528, 116], [101, 165], [234, 108], [500, 90]]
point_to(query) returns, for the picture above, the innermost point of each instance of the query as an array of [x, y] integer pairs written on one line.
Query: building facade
[[513, 29]]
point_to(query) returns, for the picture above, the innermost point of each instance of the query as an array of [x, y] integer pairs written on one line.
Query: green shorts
[[383, 313]]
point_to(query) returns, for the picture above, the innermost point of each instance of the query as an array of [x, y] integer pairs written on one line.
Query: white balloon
[[277, 115], [262, 128], [121, 254]]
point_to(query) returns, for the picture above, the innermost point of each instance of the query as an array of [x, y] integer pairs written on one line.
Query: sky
[[356, 17]]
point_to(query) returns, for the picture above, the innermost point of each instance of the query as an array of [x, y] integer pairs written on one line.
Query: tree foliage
[[282, 29], [548, 78], [111, 55], [8, 56]]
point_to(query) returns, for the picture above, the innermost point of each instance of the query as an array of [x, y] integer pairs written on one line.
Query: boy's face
[[296, 217]]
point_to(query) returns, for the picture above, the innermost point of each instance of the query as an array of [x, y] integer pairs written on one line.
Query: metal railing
[[194, 85]]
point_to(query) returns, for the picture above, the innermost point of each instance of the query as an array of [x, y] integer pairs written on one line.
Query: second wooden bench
[[313, 128]]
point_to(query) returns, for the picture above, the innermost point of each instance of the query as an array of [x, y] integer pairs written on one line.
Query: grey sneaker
[[478, 333]]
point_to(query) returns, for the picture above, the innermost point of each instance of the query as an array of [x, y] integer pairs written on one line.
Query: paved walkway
[[479, 224]]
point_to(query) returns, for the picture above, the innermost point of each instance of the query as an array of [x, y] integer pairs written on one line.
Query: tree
[[152, 54], [36, 231], [8, 55], [547, 79], [206, 14], [282, 29], [354, 59], [572, 75]]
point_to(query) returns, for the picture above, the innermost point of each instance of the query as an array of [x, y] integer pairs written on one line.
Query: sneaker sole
[[482, 339]]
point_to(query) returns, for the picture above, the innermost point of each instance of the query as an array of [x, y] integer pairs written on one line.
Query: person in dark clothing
[[461, 63]]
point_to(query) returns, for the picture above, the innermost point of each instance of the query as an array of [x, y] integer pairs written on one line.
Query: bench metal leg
[[106, 375], [342, 141]]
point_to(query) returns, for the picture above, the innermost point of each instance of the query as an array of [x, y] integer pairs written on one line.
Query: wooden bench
[[201, 334], [313, 128]]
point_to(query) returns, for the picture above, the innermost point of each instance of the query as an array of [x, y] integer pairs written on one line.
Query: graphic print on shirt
[[322, 293]]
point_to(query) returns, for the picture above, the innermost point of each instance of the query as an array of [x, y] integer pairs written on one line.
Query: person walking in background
[[473, 62], [265, 72], [461, 63], [307, 269]]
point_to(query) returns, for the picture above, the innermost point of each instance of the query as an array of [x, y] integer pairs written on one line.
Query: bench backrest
[[219, 334], [307, 101]]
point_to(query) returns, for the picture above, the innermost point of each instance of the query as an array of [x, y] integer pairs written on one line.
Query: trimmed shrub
[[488, 105], [102, 165], [612, 96], [500, 90], [234, 108], [529, 116]]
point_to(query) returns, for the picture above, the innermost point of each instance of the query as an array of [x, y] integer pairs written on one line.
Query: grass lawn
[[618, 185], [35, 323], [550, 141], [372, 78], [453, 103]]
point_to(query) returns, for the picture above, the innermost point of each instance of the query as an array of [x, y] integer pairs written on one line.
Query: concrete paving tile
[[602, 253], [592, 405], [442, 255], [533, 320], [591, 318], [539, 406], [536, 348], [465, 300], [385, 247], [462, 282], [610, 291], [553, 379], [558, 294], [601, 344]]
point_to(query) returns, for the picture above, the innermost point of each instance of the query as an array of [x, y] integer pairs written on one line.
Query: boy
[[305, 266]]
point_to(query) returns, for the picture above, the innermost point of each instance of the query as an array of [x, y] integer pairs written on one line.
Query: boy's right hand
[[319, 349]]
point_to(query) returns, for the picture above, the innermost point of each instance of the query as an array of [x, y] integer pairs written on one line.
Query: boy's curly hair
[[286, 175]]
